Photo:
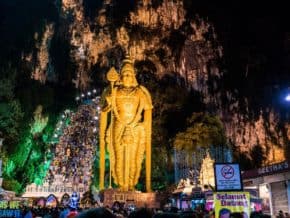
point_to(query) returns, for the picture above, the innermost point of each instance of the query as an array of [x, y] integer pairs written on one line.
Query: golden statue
[[125, 126]]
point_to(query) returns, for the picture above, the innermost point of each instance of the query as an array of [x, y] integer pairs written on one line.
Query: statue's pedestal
[[139, 199]]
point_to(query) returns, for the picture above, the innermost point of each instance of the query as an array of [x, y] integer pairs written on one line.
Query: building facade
[[272, 185]]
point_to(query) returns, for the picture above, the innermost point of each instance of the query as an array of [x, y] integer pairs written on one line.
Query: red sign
[[227, 172]]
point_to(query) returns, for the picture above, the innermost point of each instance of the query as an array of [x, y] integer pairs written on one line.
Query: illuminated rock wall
[[189, 48]]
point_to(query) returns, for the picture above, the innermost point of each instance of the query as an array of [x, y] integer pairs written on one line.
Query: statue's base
[[139, 199]]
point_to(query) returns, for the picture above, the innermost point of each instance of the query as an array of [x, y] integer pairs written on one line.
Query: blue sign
[[10, 213], [228, 177]]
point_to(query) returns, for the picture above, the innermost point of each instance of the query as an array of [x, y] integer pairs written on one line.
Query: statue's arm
[[106, 107]]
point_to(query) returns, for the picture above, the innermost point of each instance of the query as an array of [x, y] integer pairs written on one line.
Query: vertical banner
[[226, 203]]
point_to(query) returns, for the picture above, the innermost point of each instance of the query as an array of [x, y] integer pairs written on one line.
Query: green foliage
[[17, 168], [160, 174], [9, 168], [21, 150], [10, 109], [203, 130], [27, 162], [38, 126], [6, 89], [12, 184], [10, 119]]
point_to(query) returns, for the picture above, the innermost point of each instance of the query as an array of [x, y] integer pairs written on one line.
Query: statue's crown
[[127, 65]]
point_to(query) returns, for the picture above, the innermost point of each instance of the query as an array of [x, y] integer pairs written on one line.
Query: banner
[[226, 203], [10, 209]]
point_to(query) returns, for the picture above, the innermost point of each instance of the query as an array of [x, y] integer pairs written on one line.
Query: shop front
[[272, 185]]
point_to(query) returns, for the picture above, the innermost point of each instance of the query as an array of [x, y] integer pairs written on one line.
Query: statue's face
[[128, 78]]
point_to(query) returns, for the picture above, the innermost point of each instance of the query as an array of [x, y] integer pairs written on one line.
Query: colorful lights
[[90, 95]]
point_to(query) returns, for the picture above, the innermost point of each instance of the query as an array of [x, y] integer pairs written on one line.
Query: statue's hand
[[133, 124], [109, 98]]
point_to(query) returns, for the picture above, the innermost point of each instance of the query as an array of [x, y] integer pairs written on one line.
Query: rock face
[[43, 61], [162, 34]]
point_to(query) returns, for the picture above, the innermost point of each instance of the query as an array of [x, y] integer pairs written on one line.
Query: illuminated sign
[[227, 177]]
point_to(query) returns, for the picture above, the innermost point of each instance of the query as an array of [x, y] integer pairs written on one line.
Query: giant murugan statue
[[125, 127]]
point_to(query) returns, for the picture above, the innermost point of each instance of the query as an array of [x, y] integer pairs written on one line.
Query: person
[[72, 213], [128, 135], [280, 214], [96, 212], [27, 213], [141, 213], [64, 212], [224, 213]]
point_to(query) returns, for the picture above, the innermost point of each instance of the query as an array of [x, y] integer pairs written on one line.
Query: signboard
[[275, 168], [228, 177], [267, 170], [10, 213], [227, 203]]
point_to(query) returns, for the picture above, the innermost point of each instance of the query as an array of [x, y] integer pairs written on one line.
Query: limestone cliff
[[162, 34]]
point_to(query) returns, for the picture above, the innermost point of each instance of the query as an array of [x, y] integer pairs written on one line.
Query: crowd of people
[[118, 211], [74, 154]]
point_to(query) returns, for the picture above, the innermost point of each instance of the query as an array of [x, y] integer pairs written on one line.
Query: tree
[[10, 110], [203, 130]]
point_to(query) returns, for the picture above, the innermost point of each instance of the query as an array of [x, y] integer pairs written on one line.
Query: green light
[[9, 168]]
